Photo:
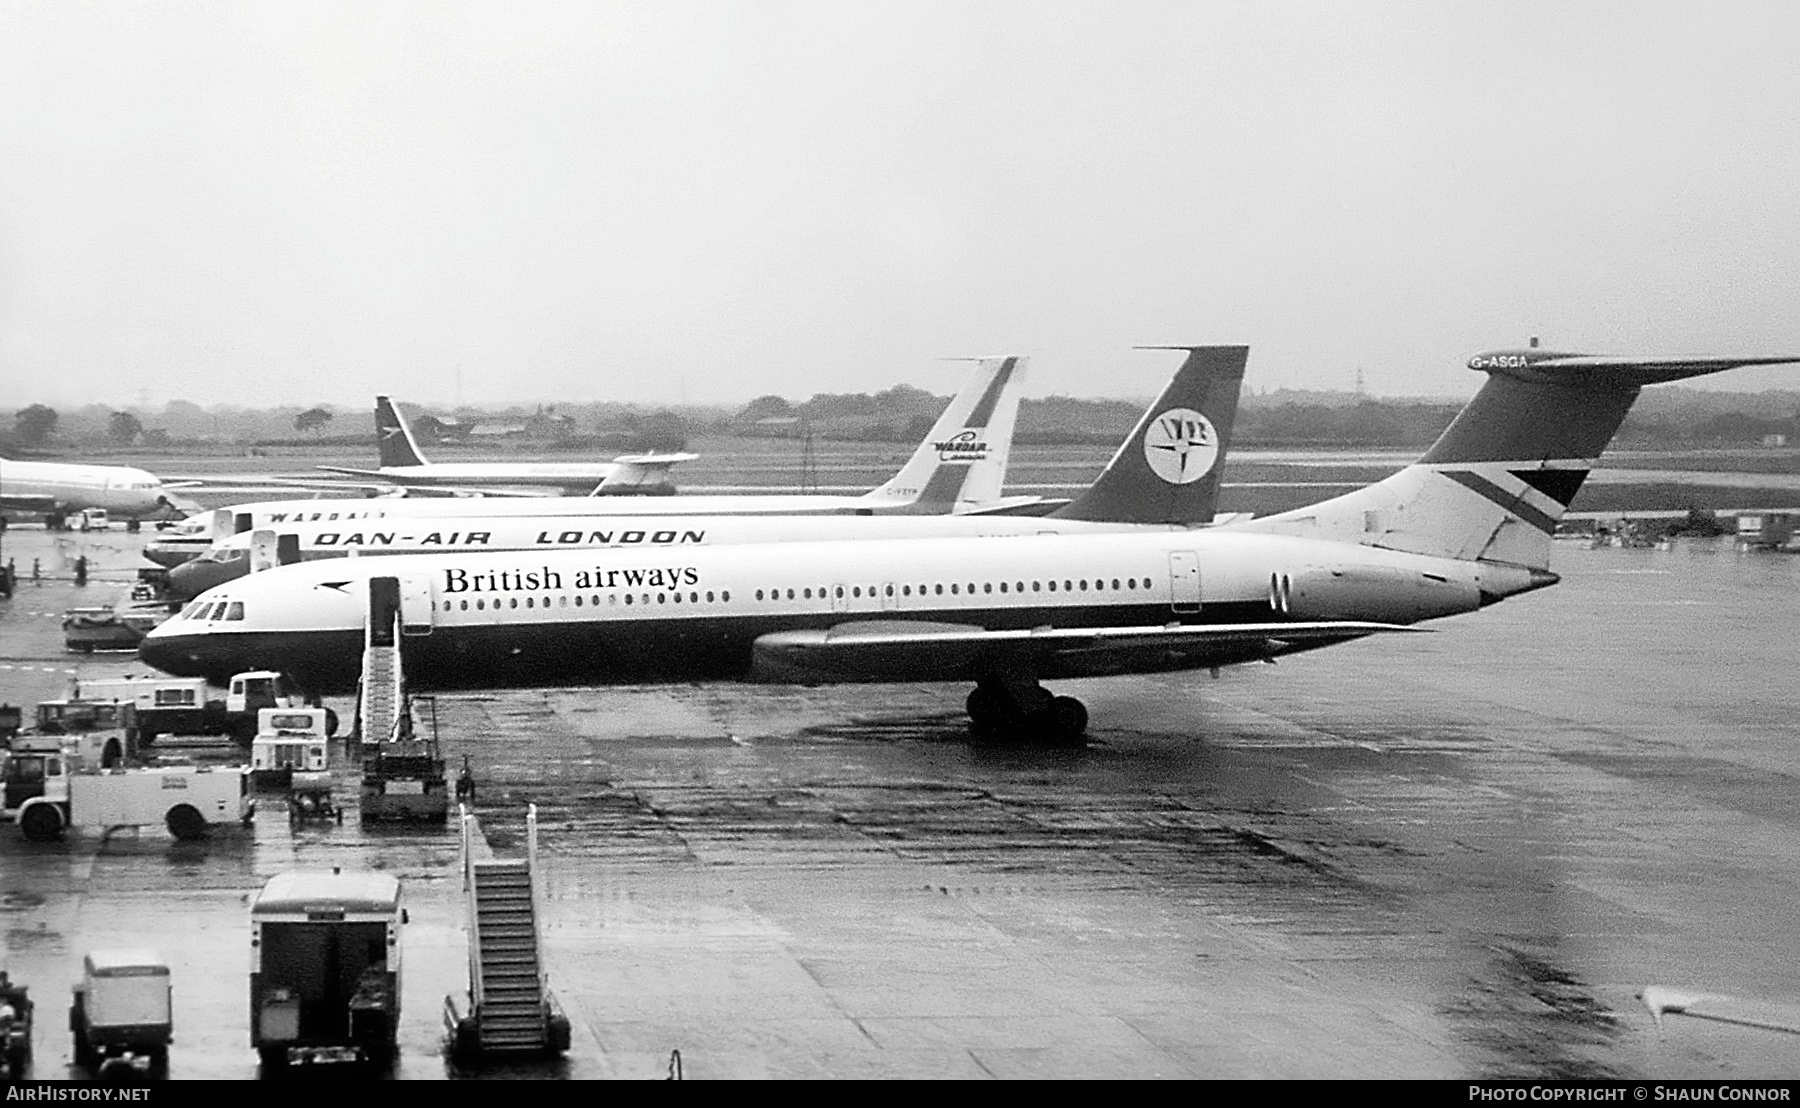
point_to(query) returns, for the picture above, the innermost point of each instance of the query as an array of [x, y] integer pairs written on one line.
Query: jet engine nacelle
[[1388, 594]]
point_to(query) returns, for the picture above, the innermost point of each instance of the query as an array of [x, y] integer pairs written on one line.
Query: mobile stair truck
[[509, 1010], [403, 773], [325, 969], [122, 1015]]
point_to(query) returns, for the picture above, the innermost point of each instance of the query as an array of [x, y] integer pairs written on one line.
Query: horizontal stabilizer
[[654, 461], [1553, 367]]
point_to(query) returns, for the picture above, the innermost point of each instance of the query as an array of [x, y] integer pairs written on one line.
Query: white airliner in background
[[404, 464], [59, 489], [1468, 525], [959, 468], [1768, 1015], [1190, 422]]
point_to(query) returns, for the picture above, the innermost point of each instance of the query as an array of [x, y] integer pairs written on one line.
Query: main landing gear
[[1024, 709]]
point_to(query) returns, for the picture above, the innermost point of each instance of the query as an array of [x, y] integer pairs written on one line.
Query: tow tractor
[[15, 1031], [288, 741]]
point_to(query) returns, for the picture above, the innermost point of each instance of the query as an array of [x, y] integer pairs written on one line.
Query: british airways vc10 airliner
[[1468, 525]]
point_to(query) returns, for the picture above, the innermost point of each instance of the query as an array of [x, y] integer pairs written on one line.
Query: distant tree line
[[1669, 418]]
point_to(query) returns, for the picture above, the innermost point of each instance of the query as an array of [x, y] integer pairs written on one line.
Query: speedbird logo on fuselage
[[545, 578], [964, 446], [1181, 446]]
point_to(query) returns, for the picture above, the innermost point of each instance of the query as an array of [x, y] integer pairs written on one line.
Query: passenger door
[[415, 604], [1184, 581]]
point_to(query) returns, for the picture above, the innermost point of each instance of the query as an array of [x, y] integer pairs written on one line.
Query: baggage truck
[[325, 968], [185, 706], [122, 1011]]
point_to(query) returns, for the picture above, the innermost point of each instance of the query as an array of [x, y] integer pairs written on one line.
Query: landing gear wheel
[[185, 822], [1067, 719], [987, 711], [41, 824]]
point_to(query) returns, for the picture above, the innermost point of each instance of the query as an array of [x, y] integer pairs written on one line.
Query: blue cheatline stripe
[[990, 398], [1506, 501]]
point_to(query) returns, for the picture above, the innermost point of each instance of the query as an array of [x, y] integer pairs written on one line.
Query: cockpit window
[[192, 611], [235, 610]]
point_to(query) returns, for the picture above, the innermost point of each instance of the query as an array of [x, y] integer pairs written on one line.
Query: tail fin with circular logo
[[1167, 470]]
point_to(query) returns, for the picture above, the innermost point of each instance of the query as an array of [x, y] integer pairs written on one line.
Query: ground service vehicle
[[325, 968], [86, 630], [188, 800], [185, 706], [288, 741], [33, 760], [122, 1011], [15, 1029]]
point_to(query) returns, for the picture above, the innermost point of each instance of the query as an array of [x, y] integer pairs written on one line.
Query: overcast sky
[[265, 203]]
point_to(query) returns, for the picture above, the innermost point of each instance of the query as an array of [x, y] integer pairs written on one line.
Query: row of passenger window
[[614, 599], [955, 588], [958, 588]]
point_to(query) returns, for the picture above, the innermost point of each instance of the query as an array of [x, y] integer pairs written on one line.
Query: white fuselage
[[589, 617], [233, 557], [63, 488], [193, 536], [570, 478]]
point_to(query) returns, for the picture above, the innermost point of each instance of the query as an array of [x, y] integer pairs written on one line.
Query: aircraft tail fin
[[1496, 482], [961, 465], [1167, 470], [394, 441]]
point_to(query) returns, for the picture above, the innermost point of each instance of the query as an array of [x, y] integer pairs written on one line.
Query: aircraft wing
[[1768, 1015], [921, 651], [372, 474]]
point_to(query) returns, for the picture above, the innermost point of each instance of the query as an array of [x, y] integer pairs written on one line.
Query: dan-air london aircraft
[[1468, 525], [959, 468], [1194, 414], [60, 489], [403, 463]]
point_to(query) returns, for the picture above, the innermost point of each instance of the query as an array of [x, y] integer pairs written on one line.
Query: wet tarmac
[[1448, 855]]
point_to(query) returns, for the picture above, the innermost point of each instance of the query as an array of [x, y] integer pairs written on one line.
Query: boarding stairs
[[381, 703], [509, 994], [514, 1011]]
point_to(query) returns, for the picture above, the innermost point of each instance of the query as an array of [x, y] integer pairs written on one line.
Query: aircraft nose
[[170, 654], [190, 579]]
